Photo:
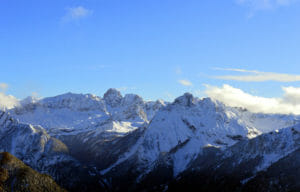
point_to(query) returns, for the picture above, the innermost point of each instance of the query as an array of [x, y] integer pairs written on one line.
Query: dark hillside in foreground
[[16, 176]]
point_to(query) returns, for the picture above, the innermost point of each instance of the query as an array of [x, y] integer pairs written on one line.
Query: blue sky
[[155, 48]]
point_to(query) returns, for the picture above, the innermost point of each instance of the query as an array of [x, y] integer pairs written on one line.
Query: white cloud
[[258, 76], [76, 13], [6, 101], [289, 103], [185, 82]]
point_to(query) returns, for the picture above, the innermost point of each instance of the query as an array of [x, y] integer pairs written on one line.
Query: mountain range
[[124, 143]]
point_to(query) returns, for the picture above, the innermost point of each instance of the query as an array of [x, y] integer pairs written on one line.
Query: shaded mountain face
[[268, 162], [125, 143], [27, 141], [16, 176], [46, 154]]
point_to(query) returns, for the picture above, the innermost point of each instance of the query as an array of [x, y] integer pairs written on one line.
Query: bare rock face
[[16, 176], [113, 97], [187, 100]]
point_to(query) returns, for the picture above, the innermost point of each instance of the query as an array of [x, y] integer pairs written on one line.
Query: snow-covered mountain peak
[[29, 100], [80, 102], [160, 101], [113, 97], [71, 96], [207, 101]]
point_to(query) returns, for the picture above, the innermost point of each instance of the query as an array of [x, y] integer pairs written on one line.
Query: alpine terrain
[[124, 143]]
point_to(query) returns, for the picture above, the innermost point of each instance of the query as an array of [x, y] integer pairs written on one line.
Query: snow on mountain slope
[[27, 142], [269, 147], [71, 114], [62, 114], [89, 124], [35, 147], [253, 160], [268, 162], [183, 128]]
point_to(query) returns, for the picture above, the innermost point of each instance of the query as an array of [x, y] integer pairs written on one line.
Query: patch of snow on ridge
[[122, 127]]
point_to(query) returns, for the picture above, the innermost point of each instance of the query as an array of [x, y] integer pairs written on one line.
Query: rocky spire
[[187, 100], [112, 97]]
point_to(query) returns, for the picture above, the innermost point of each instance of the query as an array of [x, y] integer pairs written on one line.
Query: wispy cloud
[[85, 67], [185, 82], [76, 13], [95, 67], [288, 104], [265, 4], [258, 76], [168, 96], [178, 70], [125, 88], [260, 5], [3, 86], [236, 70]]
